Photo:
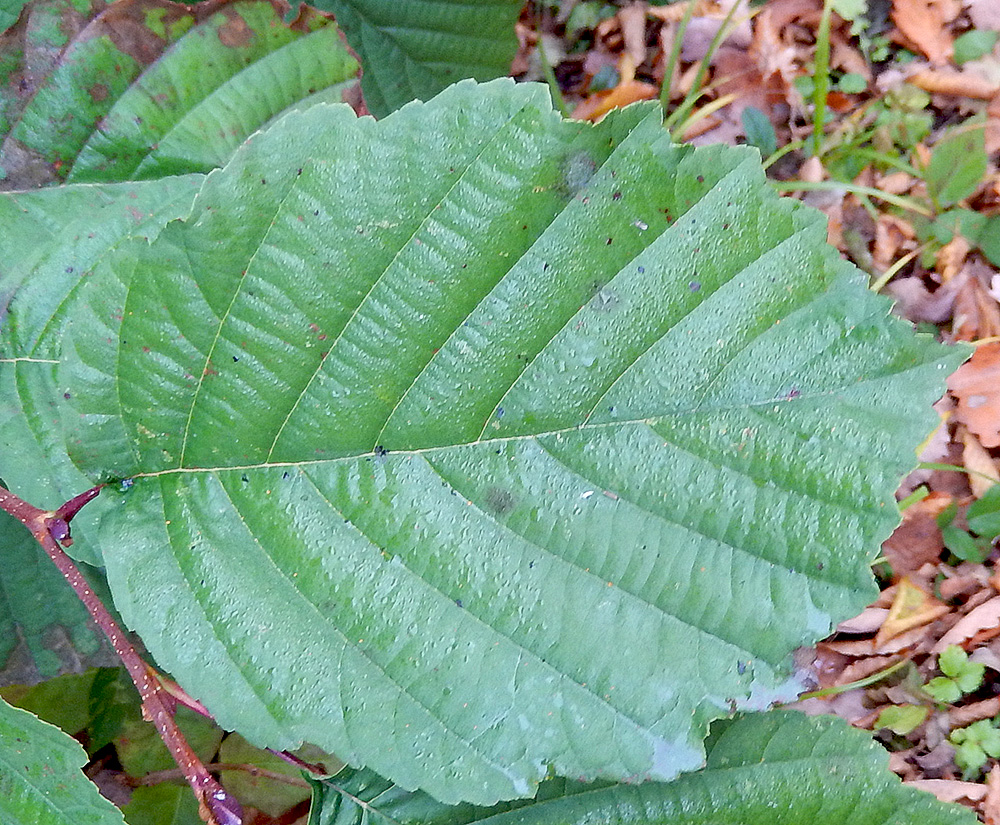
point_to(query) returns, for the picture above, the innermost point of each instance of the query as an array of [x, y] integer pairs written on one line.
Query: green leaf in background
[[40, 776], [957, 165], [260, 789], [44, 628], [52, 239], [974, 44], [759, 130], [9, 10], [478, 443], [163, 804], [780, 769], [413, 50], [177, 95]]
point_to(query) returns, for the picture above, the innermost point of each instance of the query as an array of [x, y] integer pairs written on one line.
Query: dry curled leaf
[[924, 24], [986, 616], [976, 387], [911, 608]]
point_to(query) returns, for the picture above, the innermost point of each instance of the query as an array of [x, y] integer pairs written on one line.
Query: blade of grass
[[860, 683], [536, 11], [828, 185], [674, 59], [821, 77], [898, 265], [681, 112]]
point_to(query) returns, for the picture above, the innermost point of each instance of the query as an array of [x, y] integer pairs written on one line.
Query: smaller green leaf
[[852, 83], [414, 50], [40, 776], [952, 660], [902, 719], [261, 790], [973, 744], [61, 701], [163, 804], [957, 166], [983, 515], [974, 44], [943, 690], [971, 678], [759, 130], [851, 10], [963, 545]]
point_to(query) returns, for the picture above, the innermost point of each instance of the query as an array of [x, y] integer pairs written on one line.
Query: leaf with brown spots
[[146, 88]]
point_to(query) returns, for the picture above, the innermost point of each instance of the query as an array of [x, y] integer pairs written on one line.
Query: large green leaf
[[778, 769], [149, 88], [51, 242], [413, 50], [40, 776], [475, 443]]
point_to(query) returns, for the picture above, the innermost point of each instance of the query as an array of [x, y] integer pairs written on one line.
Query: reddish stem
[[52, 527]]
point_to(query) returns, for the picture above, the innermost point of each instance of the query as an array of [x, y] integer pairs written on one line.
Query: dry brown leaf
[[867, 621], [991, 804], [979, 463], [598, 105], [917, 540], [986, 616], [955, 84], [633, 23], [977, 313], [959, 717], [976, 387], [924, 24], [893, 239], [984, 14], [951, 257], [911, 608], [950, 790]]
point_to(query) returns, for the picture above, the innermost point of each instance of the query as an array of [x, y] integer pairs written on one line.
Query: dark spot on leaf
[[244, 479], [459, 602], [694, 286], [235, 33], [577, 170], [617, 196], [700, 178], [284, 474], [98, 92], [500, 502]]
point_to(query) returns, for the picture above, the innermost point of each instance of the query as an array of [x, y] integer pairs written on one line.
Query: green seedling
[[974, 745], [961, 676], [902, 719], [983, 518]]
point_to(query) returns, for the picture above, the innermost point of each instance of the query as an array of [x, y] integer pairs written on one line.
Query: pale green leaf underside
[[40, 776], [800, 771], [414, 50], [477, 442]]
